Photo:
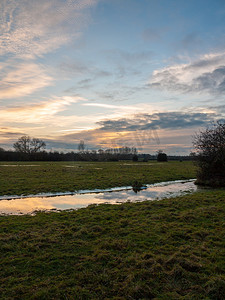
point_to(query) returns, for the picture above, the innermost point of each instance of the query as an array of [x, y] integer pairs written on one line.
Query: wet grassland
[[167, 249], [44, 177]]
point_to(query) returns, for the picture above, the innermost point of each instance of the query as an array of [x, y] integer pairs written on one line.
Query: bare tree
[[28, 145], [210, 150], [81, 146]]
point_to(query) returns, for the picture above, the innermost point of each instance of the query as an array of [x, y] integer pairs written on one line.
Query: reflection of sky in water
[[152, 192], [158, 191]]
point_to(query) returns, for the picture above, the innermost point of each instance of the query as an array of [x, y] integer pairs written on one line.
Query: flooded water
[[64, 201]]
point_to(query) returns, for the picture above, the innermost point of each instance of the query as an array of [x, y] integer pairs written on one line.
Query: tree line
[[92, 155], [33, 149]]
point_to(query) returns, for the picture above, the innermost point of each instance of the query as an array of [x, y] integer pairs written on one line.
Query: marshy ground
[[167, 249], [43, 177]]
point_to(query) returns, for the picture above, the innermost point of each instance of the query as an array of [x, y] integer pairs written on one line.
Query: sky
[[139, 73]]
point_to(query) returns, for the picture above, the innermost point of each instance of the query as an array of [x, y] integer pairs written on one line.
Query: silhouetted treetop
[[28, 145]]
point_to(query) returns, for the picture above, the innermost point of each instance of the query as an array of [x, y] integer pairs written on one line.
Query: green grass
[[169, 249], [72, 176]]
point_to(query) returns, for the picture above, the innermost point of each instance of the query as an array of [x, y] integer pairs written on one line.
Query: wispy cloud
[[8, 135], [111, 106], [205, 75], [29, 29], [32, 28], [22, 79], [9, 132], [37, 113]]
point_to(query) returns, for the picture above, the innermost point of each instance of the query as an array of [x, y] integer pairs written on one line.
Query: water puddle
[[66, 201], [141, 164], [19, 165]]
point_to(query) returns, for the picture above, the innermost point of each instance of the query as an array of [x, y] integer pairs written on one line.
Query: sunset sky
[[138, 73]]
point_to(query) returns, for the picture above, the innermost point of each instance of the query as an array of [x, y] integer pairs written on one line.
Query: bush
[[162, 156], [210, 148], [135, 157]]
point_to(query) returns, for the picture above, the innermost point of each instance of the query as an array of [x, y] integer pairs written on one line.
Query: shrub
[[210, 148], [135, 157], [162, 156]]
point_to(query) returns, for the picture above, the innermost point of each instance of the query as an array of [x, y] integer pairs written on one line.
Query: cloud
[[170, 131], [140, 133], [29, 29], [205, 75], [32, 28], [8, 133], [166, 120], [111, 106], [218, 108], [37, 113], [21, 79]]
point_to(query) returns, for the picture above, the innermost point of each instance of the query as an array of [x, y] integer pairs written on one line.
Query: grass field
[[169, 249], [35, 177]]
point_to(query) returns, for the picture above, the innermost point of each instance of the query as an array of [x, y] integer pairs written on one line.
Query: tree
[[161, 156], [135, 157], [81, 146], [210, 155], [192, 155], [28, 145]]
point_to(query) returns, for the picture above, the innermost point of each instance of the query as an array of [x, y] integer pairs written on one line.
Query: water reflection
[[75, 201]]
